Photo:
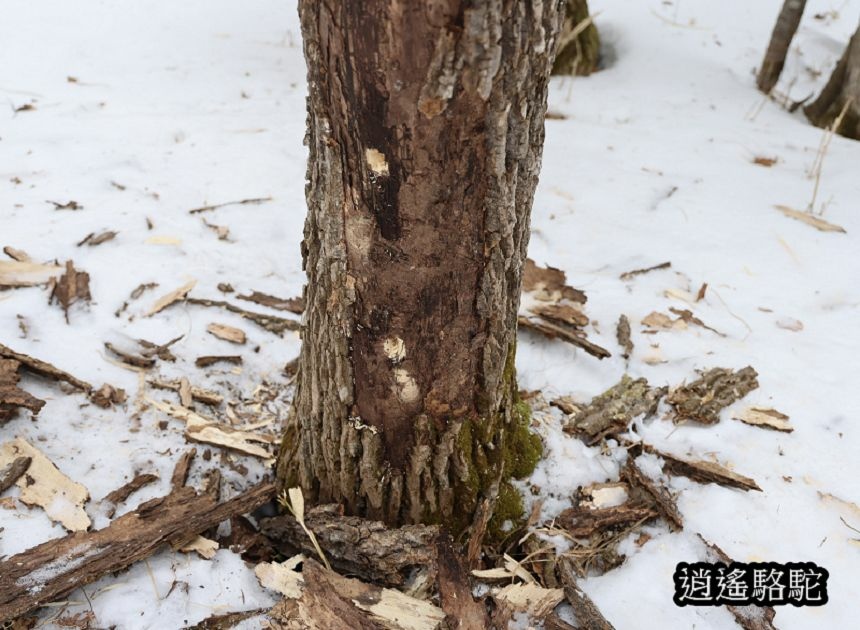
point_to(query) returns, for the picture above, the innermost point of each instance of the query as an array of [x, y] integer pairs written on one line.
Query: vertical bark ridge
[[425, 131]]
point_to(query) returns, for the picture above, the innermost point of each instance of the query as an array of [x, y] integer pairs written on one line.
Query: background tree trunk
[[425, 130], [780, 40], [579, 42], [842, 92]]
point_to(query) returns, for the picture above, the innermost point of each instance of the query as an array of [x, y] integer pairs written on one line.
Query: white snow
[[185, 104]]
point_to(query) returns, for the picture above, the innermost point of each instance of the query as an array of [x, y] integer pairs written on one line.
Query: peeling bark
[[425, 130]]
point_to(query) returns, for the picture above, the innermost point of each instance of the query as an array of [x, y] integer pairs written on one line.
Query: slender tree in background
[[425, 130], [840, 98], [780, 40], [579, 42]]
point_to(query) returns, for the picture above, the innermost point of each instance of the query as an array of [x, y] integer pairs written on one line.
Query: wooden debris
[[629, 275], [73, 286], [108, 395], [44, 485], [241, 202], [567, 405], [534, 600], [747, 617], [662, 499], [565, 333], [549, 284], [810, 219], [43, 368], [13, 397], [282, 577], [657, 320], [136, 293], [703, 399], [208, 360], [622, 334], [687, 317], [763, 160], [222, 231], [561, 314], [11, 473], [356, 546], [162, 351], [462, 612], [202, 546], [205, 396], [171, 298], [18, 255], [115, 497], [766, 418], [227, 621], [180, 471], [588, 615], [612, 411], [69, 205], [293, 305], [200, 429], [54, 569], [227, 333], [185, 398], [24, 273], [603, 495], [92, 239], [582, 522], [702, 471], [130, 359], [277, 325]]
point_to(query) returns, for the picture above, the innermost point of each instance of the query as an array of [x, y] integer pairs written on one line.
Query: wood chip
[[202, 546], [73, 286], [171, 298], [810, 219], [205, 396], [534, 600], [107, 396], [13, 397], [766, 418], [131, 359], [18, 255], [703, 399], [208, 360], [293, 305], [628, 275], [703, 471], [561, 313], [52, 570], [565, 333], [549, 284], [201, 429], [227, 333], [92, 239], [14, 273], [612, 411], [44, 485], [115, 497], [687, 317]]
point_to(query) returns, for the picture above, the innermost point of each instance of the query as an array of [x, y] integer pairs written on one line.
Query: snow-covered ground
[[149, 109]]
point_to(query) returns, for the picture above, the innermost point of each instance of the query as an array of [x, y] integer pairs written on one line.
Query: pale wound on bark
[[422, 169]]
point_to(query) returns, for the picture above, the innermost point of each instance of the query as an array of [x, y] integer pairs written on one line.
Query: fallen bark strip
[[130, 359], [702, 471], [588, 615], [293, 305], [43, 368], [704, 399], [206, 361], [180, 471], [13, 397], [10, 474], [612, 411], [627, 275], [225, 621], [114, 498], [53, 569], [271, 323], [748, 617], [664, 501], [455, 591], [553, 330], [241, 202], [582, 522], [622, 334], [356, 546]]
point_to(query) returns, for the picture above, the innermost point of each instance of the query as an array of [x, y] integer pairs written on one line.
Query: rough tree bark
[[780, 40], [841, 95], [425, 130]]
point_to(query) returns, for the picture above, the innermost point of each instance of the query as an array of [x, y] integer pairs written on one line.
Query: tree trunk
[[841, 96], [425, 130], [780, 40]]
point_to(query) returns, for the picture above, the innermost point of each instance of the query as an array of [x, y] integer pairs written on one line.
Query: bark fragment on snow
[[108, 395], [277, 325], [12, 472], [530, 598], [205, 396], [702, 471], [294, 305], [129, 358], [25, 273], [622, 334], [18, 255], [765, 418], [44, 485], [181, 469], [73, 286], [810, 219], [43, 368], [664, 501], [53, 569], [549, 284], [567, 333], [212, 359], [357, 546], [611, 412], [171, 297], [92, 239], [227, 333], [588, 615], [703, 399], [13, 397], [115, 497]]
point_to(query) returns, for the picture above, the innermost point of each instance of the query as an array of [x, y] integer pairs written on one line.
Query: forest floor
[[126, 117]]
